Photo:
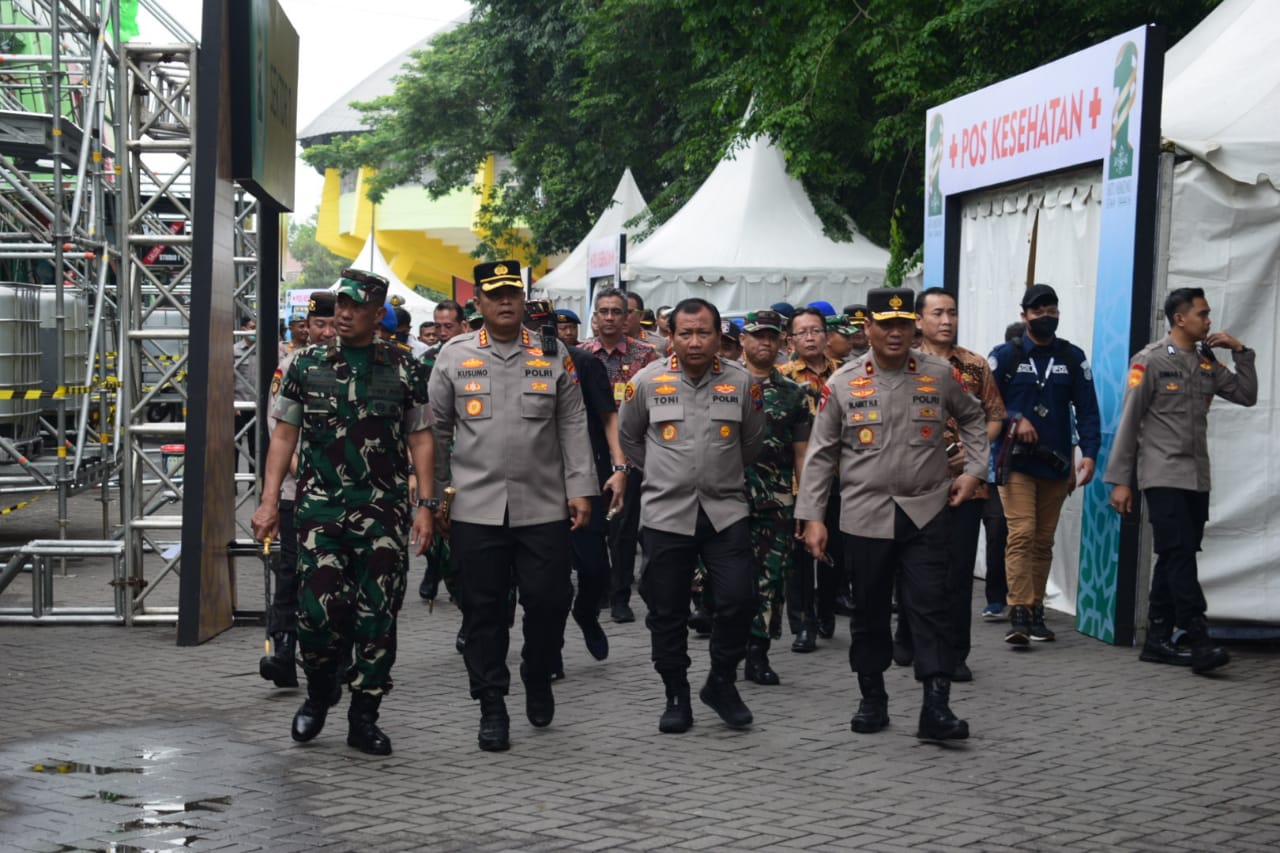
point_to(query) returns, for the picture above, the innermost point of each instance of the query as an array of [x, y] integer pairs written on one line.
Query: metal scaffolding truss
[[97, 154]]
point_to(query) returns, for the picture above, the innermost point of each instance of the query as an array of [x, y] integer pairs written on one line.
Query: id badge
[[619, 389], [1041, 410]]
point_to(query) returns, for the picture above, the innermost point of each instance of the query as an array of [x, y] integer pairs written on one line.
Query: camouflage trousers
[[351, 586], [772, 534]]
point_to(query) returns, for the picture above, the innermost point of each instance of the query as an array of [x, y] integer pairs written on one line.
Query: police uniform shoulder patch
[[275, 381], [1135, 375], [826, 395], [1086, 370], [571, 368], [757, 395], [959, 378], [629, 393]]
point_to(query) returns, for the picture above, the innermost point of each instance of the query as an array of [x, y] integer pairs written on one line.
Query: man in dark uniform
[[510, 425], [280, 667], [857, 314], [879, 437], [691, 425], [360, 408], [1163, 439]]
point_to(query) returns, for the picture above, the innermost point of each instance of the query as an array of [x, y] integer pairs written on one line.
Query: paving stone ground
[[1076, 746]]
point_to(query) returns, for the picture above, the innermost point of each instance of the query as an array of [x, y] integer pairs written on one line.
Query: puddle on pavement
[[77, 767]]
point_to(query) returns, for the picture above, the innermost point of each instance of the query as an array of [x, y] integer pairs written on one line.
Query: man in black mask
[[1046, 384]]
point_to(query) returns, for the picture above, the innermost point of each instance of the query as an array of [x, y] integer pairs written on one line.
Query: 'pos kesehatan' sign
[[1101, 105], [605, 258], [264, 82]]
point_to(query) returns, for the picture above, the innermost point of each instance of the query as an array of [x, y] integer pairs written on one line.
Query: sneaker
[[1039, 631], [994, 613], [1019, 633]]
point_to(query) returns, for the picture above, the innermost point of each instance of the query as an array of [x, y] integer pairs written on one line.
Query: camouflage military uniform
[[355, 407], [769, 488]]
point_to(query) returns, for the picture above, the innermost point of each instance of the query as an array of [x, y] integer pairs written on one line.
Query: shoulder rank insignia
[[1135, 375]]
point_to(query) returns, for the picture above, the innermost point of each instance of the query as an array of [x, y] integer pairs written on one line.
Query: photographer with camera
[[1047, 387]]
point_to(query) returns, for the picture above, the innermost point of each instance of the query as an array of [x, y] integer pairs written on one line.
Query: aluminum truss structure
[[118, 233]]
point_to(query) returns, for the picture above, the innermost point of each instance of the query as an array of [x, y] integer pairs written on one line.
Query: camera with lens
[[1059, 464]]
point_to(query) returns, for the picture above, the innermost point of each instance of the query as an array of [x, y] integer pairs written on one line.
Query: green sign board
[[264, 100]]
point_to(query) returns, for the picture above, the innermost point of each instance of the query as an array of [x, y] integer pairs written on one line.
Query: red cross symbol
[[953, 151], [1095, 109]]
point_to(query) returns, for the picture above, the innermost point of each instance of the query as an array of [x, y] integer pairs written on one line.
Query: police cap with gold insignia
[[888, 303], [767, 320], [857, 314], [363, 287], [495, 274], [321, 304]]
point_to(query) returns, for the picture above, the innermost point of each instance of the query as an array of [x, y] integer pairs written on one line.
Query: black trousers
[[1178, 517], [919, 556], [834, 575], [624, 533], [486, 560], [801, 596], [664, 585], [284, 600], [993, 520], [591, 562]]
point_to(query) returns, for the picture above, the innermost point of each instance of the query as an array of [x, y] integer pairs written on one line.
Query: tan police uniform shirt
[[882, 433], [511, 427], [693, 438], [1164, 422], [289, 485]]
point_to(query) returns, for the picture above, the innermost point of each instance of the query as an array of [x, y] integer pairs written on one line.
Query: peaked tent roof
[[1222, 91], [751, 221], [372, 260], [568, 281]]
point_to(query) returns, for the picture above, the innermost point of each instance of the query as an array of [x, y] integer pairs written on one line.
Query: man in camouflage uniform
[[511, 431], [279, 667], [360, 409], [788, 418]]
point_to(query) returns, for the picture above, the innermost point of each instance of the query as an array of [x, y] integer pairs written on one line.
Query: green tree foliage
[[320, 267], [574, 91]]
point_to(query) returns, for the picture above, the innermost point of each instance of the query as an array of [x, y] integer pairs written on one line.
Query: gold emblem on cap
[[311, 306], [500, 269], [895, 302]]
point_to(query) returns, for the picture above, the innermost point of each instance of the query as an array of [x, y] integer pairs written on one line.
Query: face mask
[[1043, 327]]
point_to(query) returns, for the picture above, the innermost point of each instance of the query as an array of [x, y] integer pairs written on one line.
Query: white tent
[[372, 260], [750, 237], [566, 285], [1221, 102]]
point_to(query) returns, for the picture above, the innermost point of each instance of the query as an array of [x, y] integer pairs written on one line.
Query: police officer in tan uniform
[[692, 424], [1163, 434], [879, 435], [521, 464]]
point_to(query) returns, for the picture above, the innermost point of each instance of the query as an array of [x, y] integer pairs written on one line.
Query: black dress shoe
[[593, 635], [804, 641], [826, 627], [495, 735], [460, 643], [756, 667], [622, 613], [539, 701]]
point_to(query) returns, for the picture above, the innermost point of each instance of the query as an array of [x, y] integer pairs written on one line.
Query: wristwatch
[[622, 468], [429, 503]]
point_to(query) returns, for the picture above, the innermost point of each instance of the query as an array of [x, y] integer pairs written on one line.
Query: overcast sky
[[341, 43]]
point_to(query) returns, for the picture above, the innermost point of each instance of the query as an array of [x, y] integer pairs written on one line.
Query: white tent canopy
[[566, 285], [1221, 100], [750, 237], [372, 260]]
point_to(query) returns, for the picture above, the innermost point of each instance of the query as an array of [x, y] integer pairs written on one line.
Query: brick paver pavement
[[1076, 746]]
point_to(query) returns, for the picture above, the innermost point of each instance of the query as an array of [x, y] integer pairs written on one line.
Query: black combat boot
[[873, 709], [720, 693], [806, 638], [323, 692], [678, 716], [1019, 633], [539, 701], [362, 729], [756, 668], [1205, 655], [936, 720], [495, 726], [1160, 648], [279, 667]]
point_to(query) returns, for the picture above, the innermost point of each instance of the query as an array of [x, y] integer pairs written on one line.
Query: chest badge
[[472, 386], [862, 392], [473, 362], [1172, 386], [475, 407], [725, 431], [726, 389], [539, 386], [669, 432], [866, 435], [664, 390]]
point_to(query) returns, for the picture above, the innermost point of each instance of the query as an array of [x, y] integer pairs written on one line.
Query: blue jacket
[[1019, 369]]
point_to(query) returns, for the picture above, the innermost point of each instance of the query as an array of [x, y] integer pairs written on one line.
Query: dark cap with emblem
[[564, 315], [495, 274], [647, 318], [729, 329], [857, 314], [321, 304], [1039, 294], [889, 303], [363, 287], [767, 320]]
